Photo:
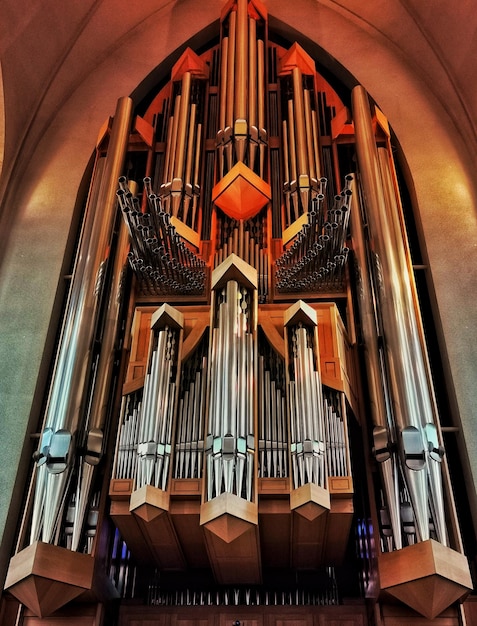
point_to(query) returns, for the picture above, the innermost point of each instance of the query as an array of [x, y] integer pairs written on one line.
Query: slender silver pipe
[[65, 406], [404, 354]]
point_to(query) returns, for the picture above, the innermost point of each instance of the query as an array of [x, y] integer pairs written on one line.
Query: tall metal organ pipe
[[230, 445], [65, 407], [101, 395], [412, 403]]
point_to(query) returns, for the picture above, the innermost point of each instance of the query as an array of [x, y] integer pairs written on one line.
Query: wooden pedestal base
[[45, 577], [427, 576], [304, 528], [232, 539]]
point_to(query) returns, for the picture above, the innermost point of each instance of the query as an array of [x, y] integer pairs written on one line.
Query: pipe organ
[[209, 437]]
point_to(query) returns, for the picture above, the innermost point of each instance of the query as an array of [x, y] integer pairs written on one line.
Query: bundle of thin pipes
[[230, 440], [246, 239], [161, 259], [301, 155], [157, 411], [189, 441], [272, 416], [180, 186], [306, 410], [241, 135], [335, 436], [411, 421], [316, 258], [126, 446], [67, 424], [325, 595]]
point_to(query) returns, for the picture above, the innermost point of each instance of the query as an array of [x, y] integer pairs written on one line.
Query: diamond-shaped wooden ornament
[[149, 502], [296, 57], [241, 194], [427, 576], [228, 517], [228, 527], [310, 501], [189, 61]]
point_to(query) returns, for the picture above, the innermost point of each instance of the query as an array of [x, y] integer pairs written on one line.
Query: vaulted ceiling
[[52, 53]]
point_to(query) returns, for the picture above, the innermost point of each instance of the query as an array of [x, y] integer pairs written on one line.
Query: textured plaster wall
[[46, 160]]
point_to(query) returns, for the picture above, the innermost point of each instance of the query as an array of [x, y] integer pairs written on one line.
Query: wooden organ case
[[241, 423]]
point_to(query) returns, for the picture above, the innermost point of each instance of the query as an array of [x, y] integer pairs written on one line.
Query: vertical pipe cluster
[[189, 440], [272, 415], [377, 377], [66, 402], [125, 459], [156, 417], [230, 445], [159, 256], [301, 156], [241, 135], [335, 433], [307, 444], [248, 240], [180, 181], [410, 387]]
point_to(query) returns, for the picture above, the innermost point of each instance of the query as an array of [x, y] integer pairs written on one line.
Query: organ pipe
[[64, 412], [413, 409], [230, 441], [242, 88], [94, 430], [305, 397], [383, 433]]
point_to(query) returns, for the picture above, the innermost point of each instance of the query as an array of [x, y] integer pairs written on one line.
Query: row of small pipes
[[180, 179], [301, 152], [307, 443], [248, 596], [157, 411], [336, 438], [189, 446], [247, 240], [273, 417]]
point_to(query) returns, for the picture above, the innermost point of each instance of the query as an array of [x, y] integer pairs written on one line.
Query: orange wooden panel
[[308, 540], [342, 620], [398, 614], [247, 620], [275, 519], [299, 619]]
